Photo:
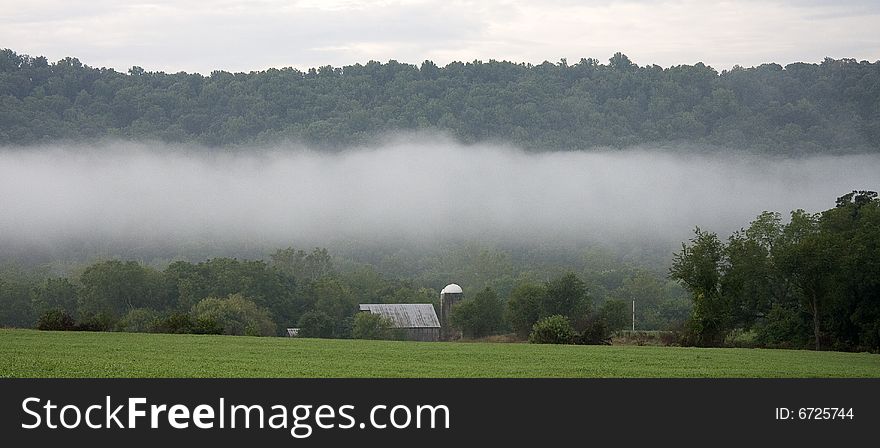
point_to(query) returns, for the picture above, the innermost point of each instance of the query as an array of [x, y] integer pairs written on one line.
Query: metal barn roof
[[405, 315]]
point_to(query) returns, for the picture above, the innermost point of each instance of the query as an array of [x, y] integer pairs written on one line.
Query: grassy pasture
[[30, 353]]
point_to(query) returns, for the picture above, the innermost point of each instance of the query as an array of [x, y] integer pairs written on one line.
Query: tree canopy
[[812, 281], [802, 107]]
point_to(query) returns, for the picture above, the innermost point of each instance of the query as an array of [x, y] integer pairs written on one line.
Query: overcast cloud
[[240, 35]]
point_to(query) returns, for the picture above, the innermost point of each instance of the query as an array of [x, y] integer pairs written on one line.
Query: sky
[[245, 35]]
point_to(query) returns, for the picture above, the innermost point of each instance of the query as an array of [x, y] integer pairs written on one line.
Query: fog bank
[[143, 195]]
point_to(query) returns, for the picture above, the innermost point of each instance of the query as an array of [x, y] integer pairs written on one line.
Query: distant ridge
[[833, 106]]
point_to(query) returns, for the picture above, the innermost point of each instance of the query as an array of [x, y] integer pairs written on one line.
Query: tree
[[805, 257], [751, 281], [16, 305], [615, 314], [186, 284], [855, 200], [698, 267], [566, 295], [111, 288], [316, 324], [56, 293], [480, 316], [301, 265], [331, 297], [524, 307], [854, 310], [620, 62]]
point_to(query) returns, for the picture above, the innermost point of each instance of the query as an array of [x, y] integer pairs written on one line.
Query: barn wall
[[422, 334]]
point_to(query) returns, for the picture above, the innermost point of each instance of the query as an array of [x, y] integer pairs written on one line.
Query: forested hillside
[[800, 108]]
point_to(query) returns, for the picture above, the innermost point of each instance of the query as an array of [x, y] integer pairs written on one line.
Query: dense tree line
[[220, 295], [832, 106], [320, 294], [811, 282]]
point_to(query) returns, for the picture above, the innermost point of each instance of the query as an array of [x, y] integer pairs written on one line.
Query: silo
[[449, 296]]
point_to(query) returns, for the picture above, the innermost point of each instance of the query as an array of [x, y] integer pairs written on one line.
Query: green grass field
[[30, 353]]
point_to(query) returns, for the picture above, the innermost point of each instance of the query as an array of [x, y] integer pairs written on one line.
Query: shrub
[[174, 323], [138, 320], [596, 332], [234, 315], [372, 326], [55, 320], [101, 321], [206, 325], [652, 338], [741, 338], [555, 329], [784, 327], [671, 338], [184, 323]]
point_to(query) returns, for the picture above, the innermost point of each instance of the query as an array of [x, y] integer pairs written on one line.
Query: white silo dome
[[451, 288]]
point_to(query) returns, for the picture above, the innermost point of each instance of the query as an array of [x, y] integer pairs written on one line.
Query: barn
[[418, 321]]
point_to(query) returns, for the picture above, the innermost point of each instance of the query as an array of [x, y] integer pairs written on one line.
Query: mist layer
[[151, 194]]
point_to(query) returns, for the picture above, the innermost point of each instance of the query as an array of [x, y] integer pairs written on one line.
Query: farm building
[[417, 320], [449, 296]]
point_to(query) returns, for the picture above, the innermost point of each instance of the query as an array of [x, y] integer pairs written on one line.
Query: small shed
[[417, 320]]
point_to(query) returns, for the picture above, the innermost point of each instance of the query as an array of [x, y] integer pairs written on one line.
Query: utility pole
[[634, 315]]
